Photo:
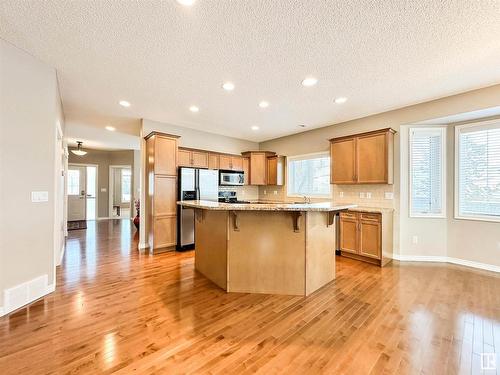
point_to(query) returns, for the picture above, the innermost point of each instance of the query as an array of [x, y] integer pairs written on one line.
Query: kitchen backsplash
[[363, 195], [243, 192]]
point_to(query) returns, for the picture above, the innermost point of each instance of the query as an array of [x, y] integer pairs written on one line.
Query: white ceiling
[[163, 57]]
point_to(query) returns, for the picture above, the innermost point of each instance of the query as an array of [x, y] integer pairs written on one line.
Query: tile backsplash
[[363, 195]]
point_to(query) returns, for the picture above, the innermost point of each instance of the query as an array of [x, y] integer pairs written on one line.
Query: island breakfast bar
[[264, 247]]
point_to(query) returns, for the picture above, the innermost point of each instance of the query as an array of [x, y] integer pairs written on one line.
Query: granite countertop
[[322, 206], [372, 209]]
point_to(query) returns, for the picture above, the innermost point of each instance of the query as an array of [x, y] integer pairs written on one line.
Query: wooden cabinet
[[236, 163], [160, 210], [213, 161], [225, 162], [366, 236], [343, 157], [365, 158], [246, 170], [275, 166], [258, 166], [192, 158]]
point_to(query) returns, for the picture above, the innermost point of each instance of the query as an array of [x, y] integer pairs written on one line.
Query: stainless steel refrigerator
[[194, 184]]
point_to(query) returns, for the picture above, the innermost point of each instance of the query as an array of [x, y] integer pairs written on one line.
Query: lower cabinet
[[164, 231], [364, 236]]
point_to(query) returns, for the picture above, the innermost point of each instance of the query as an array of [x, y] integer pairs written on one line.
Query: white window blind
[[478, 171], [309, 175], [427, 184]]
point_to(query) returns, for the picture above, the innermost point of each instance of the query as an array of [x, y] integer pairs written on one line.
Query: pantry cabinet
[[365, 158]]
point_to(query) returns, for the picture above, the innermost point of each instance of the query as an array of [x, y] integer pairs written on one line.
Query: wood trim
[[161, 135], [267, 153], [209, 151], [344, 137]]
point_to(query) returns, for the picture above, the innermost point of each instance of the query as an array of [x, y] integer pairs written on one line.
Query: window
[[73, 182], [309, 175], [477, 186], [126, 182], [427, 172]]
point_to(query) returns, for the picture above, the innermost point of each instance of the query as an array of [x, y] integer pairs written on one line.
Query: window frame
[[443, 131], [479, 124], [313, 155]]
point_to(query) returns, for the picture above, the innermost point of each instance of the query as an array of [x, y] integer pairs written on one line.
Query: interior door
[[76, 192]]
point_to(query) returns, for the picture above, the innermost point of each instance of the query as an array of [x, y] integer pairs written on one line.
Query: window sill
[[478, 218]]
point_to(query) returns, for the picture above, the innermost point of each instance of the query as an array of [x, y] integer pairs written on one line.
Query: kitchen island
[[266, 248]]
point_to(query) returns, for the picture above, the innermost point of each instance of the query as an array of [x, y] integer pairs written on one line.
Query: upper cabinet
[[230, 162], [213, 161], [258, 166], [246, 170], [365, 158], [192, 158], [275, 169]]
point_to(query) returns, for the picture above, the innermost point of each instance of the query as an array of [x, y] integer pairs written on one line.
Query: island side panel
[[265, 255], [210, 256], [320, 251]]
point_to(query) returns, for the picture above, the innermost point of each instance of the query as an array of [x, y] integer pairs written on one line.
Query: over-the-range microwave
[[231, 178]]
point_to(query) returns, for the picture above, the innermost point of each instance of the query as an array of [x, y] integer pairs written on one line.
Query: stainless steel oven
[[231, 178]]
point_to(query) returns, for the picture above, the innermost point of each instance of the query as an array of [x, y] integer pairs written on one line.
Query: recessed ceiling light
[[228, 86], [124, 103], [110, 128], [186, 3], [254, 128], [309, 81], [194, 108], [340, 100], [263, 104]]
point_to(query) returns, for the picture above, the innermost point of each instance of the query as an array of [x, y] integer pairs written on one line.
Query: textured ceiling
[[163, 57]]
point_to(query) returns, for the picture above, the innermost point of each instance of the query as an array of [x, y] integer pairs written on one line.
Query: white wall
[[29, 111]]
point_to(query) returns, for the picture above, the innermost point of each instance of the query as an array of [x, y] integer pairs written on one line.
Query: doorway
[[82, 194], [120, 191]]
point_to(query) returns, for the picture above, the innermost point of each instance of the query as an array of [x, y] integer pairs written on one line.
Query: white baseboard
[[443, 259], [143, 246], [23, 294], [62, 255]]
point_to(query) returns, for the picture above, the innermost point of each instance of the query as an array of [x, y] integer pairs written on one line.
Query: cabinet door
[[165, 156], [164, 231], [165, 196], [236, 163], [369, 238], [213, 161], [200, 159], [184, 158], [272, 171], [246, 170], [343, 160], [258, 166], [349, 233], [372, 163], [225, 162]]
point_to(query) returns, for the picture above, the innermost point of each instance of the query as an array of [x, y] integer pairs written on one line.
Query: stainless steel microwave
[[231, 178]]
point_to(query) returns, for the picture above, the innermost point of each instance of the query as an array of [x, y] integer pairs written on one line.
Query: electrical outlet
[[275, 192], [415, 240], [389, 195], [341, 194], [369, 195], [265, 192], [362, 195]]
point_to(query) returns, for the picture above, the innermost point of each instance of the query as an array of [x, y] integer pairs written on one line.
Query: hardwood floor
[[116, 310]]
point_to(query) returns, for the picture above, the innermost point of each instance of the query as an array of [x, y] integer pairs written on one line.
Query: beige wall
[[463, 237], [29, 111], [104, 159]]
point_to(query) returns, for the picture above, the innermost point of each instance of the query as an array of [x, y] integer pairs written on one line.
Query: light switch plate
[[275, 192], [39, 196], [369, 195], [389, 195], [341, 194], [103, 190], [362, 195]]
